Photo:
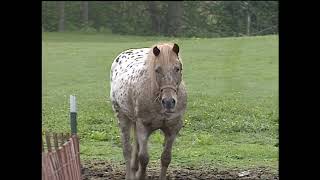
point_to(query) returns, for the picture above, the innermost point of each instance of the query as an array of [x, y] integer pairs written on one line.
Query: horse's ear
[[156, 51], [176, 48]]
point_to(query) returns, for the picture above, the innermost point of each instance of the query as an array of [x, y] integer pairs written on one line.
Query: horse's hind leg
[[125, 127], [134, 155]]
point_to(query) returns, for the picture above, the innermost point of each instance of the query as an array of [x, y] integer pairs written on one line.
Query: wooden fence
[[61, 159]]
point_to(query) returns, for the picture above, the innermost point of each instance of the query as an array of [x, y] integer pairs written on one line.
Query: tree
[[84, 9], [61, 16], [155, 16], [183, 18], [246, 7], [174, 20]]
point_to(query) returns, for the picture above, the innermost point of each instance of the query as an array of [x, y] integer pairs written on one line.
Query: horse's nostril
[[163, 101], [173, 101]]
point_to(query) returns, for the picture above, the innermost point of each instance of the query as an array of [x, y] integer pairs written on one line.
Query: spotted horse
[[147, 93]]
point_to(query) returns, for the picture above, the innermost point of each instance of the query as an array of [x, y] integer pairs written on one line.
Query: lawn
[[232, 83]]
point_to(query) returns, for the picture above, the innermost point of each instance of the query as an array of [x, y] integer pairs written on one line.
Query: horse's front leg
[[170, 135], [143, 156]]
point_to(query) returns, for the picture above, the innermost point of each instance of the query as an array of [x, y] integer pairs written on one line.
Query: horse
[[147, 93]]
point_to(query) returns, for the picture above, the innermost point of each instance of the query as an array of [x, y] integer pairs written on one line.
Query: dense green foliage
[[184, 18], [232, 83]]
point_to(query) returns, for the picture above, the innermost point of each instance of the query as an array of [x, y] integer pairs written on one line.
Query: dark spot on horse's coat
[[123, 56], [141, 73], [116, 74], [130, 66], [117, 59], [119, 62], [132, 56]]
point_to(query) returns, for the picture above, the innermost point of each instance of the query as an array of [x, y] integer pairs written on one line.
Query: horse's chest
[[157, 121]]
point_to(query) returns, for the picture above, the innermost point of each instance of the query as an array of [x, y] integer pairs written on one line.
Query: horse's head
[[167, 68]]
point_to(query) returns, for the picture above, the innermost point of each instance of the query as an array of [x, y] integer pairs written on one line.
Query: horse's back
[[131, 59]]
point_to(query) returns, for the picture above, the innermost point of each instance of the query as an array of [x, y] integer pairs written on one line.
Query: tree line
[[165, 18]]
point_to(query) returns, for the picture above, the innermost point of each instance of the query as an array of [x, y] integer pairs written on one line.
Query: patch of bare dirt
[[101, 170]]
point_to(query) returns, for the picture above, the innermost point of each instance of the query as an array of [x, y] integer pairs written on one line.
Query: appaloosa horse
[[148, 93]]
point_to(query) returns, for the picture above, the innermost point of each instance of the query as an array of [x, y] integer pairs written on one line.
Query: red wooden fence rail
[[61, 161]]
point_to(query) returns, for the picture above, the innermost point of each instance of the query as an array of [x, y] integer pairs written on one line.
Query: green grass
[[232, 115]]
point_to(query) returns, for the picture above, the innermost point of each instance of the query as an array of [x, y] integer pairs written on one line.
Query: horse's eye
[[177, 69], [157, 70]]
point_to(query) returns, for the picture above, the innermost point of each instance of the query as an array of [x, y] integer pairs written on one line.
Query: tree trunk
[[174, 17], [154, 14], [43, 15], [61, 16], [248, 23], [85, 12], [248, 19]]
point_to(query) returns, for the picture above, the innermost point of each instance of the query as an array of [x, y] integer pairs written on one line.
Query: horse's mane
[[165, 57]]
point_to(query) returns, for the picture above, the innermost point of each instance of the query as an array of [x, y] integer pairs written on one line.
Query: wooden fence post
[[48, 141], [73, 122], [62, 162]]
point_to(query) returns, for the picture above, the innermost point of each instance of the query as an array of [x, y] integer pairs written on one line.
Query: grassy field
[[232, 115]]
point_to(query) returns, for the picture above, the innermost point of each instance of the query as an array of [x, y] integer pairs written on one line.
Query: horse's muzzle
[[168, 104]]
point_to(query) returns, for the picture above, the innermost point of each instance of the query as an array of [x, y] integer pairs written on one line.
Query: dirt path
[[100, 170]]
